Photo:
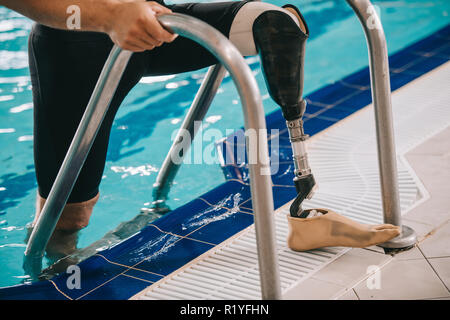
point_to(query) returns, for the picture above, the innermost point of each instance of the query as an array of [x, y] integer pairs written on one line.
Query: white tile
[[352, 267], [439, 144], [313, 289], [411, 254], [422, 229], [349, 295], [437, 244], [404, 280], [442, 267]]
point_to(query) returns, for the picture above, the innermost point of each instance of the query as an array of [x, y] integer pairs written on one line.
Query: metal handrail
[[260, 181], [381, 95]]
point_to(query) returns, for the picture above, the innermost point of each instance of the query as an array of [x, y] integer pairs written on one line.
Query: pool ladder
[[260, 180]]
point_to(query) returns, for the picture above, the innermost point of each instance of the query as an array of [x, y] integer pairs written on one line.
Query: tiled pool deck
[[179, 237]]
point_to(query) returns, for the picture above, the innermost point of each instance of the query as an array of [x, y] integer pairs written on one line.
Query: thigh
[[184, 55], [64, 69]]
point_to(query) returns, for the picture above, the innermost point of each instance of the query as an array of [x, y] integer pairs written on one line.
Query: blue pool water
[[155, 108]]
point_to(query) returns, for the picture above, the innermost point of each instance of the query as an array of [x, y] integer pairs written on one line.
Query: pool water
[[155, 108]]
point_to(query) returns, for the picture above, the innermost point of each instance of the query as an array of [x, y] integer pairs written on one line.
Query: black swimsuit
[[64, 68]]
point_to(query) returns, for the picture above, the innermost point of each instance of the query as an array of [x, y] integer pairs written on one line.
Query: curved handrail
[[260, 181]]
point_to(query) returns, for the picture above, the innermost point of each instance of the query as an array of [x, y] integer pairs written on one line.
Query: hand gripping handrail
[[260, 180]]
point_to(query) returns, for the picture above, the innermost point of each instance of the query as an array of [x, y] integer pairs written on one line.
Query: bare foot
[[334, 230]]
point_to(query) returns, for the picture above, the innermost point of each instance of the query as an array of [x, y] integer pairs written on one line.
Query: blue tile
[[176, 221], [120, 288], [224, 227], [150, 249], [315, 125], [229, 195], [427, 64], [94, 272], [144, 275], [400, 79], [337, 113], [332, 94], [173, 257], [356, 102]]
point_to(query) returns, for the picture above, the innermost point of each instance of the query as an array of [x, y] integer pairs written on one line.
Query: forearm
[[95, 15]]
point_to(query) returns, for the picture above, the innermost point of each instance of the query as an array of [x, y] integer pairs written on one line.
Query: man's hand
[[133, 26]]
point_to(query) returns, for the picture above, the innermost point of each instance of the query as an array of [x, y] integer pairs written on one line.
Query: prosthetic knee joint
[[281, 46]]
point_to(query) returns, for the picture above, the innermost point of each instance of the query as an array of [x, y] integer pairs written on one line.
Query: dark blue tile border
[[179, 237]]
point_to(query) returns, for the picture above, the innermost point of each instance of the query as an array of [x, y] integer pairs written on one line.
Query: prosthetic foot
[[332, 229], [280, 42]]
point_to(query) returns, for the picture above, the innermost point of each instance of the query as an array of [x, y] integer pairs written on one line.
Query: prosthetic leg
[[280, 42], [281, 45]]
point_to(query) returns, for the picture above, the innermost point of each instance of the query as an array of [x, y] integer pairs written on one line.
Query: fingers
[[136, 27], [154, 28]]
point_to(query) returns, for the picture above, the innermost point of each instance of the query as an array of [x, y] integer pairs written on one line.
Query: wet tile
[[94, 272], [120, 288], [332, 94], [403, 280], [223, 226], [442, 267], [229, 195], [189, 221], [171, 256], [143, 275]]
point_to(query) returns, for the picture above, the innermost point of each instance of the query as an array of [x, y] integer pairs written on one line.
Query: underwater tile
[[427, 64], [332, 94], [337, 113], [315, 125]]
